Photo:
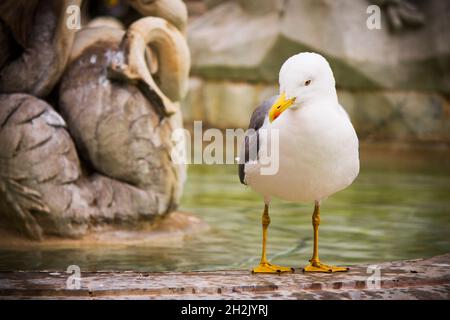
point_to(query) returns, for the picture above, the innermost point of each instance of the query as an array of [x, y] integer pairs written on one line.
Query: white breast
[[318, 155]]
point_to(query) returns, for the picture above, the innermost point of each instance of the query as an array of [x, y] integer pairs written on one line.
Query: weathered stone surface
[[40, 29], [239, 40], [171, 229], [118, 130], [44, 191], [414, 279], [379, 115], [38, 170], [43, 188], [398, 115], [117, 170], [223, 104]]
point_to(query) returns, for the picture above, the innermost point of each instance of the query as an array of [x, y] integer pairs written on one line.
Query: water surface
[[398, 208]]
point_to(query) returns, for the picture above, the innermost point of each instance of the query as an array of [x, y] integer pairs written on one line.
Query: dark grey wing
[[251, 137]]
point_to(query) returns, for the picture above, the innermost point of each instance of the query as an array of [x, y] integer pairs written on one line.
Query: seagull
[[310, 136]]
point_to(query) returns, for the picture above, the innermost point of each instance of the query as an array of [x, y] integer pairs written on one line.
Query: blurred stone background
[[393, 81]]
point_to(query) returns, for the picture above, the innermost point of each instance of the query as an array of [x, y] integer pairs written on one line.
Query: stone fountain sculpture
[[86, 118]]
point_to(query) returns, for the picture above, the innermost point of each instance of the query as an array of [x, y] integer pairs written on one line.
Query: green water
[[398, 208]]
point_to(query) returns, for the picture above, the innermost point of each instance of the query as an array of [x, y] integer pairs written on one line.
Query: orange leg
[[315, 264], [264, 265]]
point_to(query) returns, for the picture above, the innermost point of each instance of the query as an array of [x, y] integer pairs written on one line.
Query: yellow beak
[[280, 106]]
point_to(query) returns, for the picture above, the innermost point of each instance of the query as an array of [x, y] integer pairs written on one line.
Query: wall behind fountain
[[394, 81]]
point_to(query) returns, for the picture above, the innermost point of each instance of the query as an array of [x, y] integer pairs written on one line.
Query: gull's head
[[305, 77]]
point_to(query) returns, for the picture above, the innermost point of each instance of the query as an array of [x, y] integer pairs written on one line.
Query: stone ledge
[[411, 279], [173, 228]]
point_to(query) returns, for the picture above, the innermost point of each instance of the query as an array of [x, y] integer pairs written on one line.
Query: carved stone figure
[[86, 119]]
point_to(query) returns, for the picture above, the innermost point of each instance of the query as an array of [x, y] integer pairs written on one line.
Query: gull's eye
[[307, 82]]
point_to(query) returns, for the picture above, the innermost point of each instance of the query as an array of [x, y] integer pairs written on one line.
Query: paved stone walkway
[[412, 279]]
